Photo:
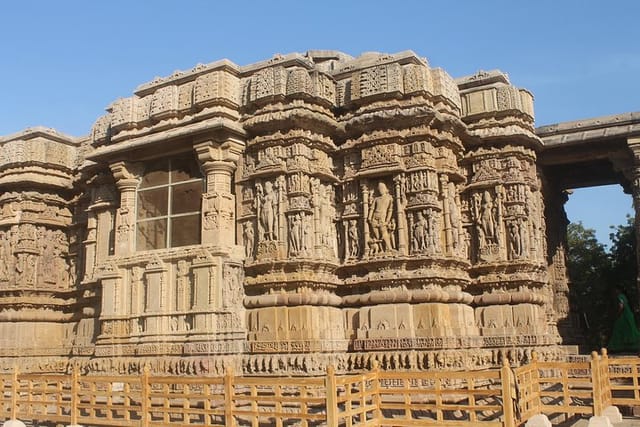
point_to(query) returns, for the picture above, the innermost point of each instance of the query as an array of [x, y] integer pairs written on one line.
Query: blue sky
[[63, 62]]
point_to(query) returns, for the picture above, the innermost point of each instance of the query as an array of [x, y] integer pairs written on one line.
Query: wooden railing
[[452, 398], [493, 398], [624, 380], [553, 388]]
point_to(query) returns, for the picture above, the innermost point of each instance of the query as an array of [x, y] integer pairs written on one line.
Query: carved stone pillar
[[90, 245], [448, 232], [401, 202], [218, 202], [127, 176], [99, 238], [156, 303], [205, 293], [111, 279]]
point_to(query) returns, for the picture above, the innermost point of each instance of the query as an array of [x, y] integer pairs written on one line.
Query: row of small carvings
[[291, 363], [394, 296], [221, 88]]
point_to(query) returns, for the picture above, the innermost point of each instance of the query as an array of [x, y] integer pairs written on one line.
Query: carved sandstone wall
[[305, 210]]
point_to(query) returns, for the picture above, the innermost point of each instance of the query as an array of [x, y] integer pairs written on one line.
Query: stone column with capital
[[127, 176], [218, 162]]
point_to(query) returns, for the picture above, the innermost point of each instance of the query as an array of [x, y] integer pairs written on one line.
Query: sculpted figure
[[268, 203], [26, 268], [48, 261], [353, 239], [380, 219], [392, 234], [419, 233], [487, 218], [515, 240], [307, 232], [432, 231], [248, 239], [295, 235]]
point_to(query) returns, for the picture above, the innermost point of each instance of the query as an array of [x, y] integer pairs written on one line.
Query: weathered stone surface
[[278, 217]]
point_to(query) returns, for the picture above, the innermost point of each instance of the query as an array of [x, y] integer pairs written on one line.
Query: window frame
[[170, 185]]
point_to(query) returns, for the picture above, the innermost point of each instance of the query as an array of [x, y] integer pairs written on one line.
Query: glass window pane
[[151, 234], [184, 169], [186, 197], [156, 173], [152, 203], [185, 230]]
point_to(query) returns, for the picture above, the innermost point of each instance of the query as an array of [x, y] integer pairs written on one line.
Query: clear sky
[[63, 62]]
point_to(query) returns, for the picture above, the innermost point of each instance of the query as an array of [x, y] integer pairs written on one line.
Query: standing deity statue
[[248, 239], [489, 213], [307, 232], [353, 239], [295, 235], [379, 218], [419, 233], [433, 232], [515, 238], [487, 219], [268, 211]]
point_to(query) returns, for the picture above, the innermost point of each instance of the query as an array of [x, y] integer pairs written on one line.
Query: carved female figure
[[432, 231], [295, 235], [354, 243], [487, 218], [419, 233], [248, 239], [268, 210], [515, 240], [380, 218]]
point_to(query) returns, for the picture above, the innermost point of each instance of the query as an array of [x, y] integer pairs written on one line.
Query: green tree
[[623, 270], [594, 272], [588, 264]]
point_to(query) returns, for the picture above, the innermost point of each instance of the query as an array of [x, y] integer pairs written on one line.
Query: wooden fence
[[493, 398]]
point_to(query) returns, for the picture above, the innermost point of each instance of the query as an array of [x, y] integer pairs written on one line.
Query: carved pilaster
[[111, 280], [218, 162], [400, 182], [156, 293], [448, 232], [90, 245], [127, 176], [206, 290]]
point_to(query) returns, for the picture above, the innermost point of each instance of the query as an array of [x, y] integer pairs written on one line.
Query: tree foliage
[[595, 271]]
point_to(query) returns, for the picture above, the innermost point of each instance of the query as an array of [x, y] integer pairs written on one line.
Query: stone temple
[[307, 210]]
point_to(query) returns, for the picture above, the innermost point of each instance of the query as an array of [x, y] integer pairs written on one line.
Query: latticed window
[[168, 204]]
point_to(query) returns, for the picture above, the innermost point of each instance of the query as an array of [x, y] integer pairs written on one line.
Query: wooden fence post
[[376, 391], [14, 393], [74, 394], [331, 390], [229, 399], [595, 382], [606, 379], [144, 396], [537, 401], [508, 394]]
